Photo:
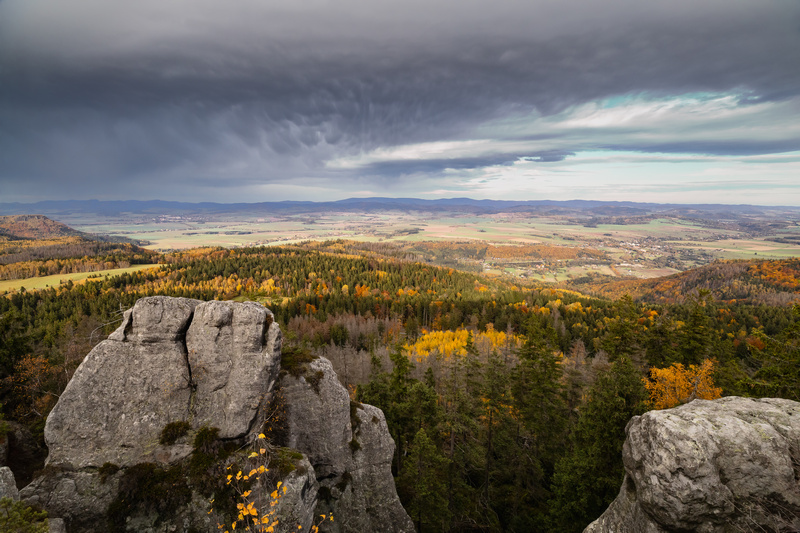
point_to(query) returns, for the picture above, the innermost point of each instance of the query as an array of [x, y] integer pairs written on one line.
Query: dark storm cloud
[[116, 98]]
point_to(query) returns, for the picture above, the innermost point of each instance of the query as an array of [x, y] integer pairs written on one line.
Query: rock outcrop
[[171, 360], [210, 370], [8, 486], [349, 445], [726, 465]]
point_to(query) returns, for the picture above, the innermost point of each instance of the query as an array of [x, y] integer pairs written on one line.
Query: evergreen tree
[[779, 358], [423, 481], [588, 478], [539, 401]]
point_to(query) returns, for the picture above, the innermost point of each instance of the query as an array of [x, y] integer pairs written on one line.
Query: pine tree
[[588, 478], [423, 480]]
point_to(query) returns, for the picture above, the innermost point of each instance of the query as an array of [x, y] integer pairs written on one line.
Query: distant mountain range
[[468, 205]]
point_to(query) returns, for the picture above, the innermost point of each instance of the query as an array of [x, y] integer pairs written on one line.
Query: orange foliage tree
[[677, 384]]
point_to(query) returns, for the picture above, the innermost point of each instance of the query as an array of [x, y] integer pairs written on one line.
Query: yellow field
[[54, 281]]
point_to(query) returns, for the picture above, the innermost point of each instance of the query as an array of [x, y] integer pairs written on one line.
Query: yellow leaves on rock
[[675, 385]]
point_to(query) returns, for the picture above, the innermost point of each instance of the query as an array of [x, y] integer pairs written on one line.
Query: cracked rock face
[[230, 350], [172, 359], [731, 464], [357, 478]]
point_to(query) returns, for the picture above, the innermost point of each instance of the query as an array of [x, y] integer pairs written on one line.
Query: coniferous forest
[[507, 403]]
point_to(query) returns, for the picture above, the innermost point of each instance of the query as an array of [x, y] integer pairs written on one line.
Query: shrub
[[18, 517]]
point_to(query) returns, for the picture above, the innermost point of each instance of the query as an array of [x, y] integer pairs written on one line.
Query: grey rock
[[297, 505], [80, 498], [319, 422], [358, 478], [8, 485], [159, 319], [172, 359], [231, 353], [731, 464], [56, 525], [125, 391], [210, 364]]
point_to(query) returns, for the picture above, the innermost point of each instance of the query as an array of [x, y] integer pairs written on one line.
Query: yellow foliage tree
[[677, 385], [257, 504]]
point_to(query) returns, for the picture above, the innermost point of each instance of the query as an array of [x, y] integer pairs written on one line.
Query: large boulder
[[126, 390], [171, 360], [350, 448], [231, 351], [726, 465]]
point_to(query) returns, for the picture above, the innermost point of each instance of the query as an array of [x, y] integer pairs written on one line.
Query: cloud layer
[[259, 100]]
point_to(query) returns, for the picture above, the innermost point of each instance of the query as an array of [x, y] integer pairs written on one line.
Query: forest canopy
[[507, 403]]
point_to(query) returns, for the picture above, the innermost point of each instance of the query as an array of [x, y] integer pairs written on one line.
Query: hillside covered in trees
[[770, 282], [507, 403], [34, 246]]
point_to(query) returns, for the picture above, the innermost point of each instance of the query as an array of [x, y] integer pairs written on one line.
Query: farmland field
[[635, 247]]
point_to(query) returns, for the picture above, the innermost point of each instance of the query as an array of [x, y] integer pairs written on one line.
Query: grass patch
[[286, 461], [173, 431], [295, 359], [44, 282]]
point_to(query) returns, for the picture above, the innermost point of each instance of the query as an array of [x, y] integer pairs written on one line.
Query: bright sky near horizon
[[673, 101]]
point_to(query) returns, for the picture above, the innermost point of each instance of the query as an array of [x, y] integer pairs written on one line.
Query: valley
[[606, 241]]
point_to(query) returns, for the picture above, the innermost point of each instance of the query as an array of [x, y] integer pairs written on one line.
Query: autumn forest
[[507, 400]]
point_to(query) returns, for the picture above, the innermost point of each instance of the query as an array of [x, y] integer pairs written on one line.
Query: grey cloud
[[94, 91], [435, 166]]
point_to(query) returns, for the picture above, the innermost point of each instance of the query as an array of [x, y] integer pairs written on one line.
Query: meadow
[[44, 282]]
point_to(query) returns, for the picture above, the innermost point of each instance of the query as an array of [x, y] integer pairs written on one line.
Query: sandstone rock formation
[[172, 359], [726, 465], [349, 445], [208, 367]]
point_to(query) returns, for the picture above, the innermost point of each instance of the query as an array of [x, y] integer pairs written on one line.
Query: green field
[[55, 280]]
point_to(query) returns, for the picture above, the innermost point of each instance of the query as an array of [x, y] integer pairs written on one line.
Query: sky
[[678, 101]]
